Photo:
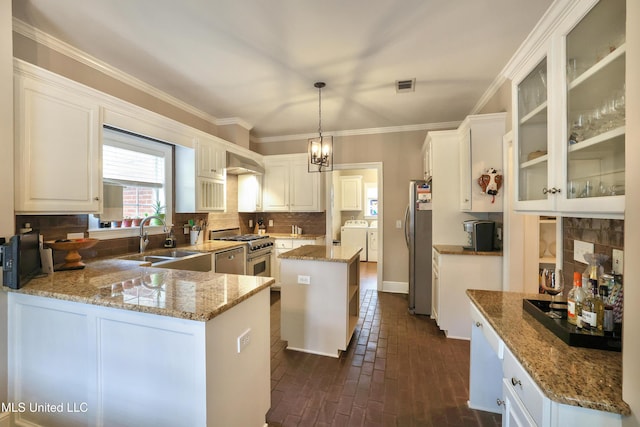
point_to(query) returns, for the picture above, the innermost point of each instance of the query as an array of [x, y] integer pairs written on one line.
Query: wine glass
[[553, 283]]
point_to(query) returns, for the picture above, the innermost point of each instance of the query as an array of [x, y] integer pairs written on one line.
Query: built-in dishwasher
[[230, 261]]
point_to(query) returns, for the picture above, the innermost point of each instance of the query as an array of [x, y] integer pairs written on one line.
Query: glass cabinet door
[[532, 155], [595, 104]]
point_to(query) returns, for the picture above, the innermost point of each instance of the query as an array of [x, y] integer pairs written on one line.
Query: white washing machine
[[372, 242], [354, 233]]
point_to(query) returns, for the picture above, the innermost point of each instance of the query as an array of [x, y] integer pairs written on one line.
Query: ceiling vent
[[405, 85]]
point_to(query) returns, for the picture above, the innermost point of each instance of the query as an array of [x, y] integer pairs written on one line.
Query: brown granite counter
[[124, 284], [327, 253], [570, 375], [459, 250]]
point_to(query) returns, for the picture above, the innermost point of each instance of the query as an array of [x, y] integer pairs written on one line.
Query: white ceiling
[[257, 60]]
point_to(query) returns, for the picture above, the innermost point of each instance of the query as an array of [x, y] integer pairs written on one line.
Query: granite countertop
[[295, 236], [570, 375], [125, 284], [459, 250], [327, 253]]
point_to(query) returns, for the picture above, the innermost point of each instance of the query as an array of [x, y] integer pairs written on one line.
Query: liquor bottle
[[607, 324], [575, 299], [593, 309]]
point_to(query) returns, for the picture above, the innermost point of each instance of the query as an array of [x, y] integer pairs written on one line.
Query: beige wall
[[400, 154], [500, 102], [631, 332], [7, 226], [236, 134], [30, 51]]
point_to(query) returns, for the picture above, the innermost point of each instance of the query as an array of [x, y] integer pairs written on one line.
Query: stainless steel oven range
[[259, 250]]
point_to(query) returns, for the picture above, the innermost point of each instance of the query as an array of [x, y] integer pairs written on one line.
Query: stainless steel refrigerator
[[417, 233]]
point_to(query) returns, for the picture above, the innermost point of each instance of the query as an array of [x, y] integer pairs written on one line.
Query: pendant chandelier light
[[320, 148]]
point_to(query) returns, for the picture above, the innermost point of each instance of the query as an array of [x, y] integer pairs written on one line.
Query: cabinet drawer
[[283, 244], [527, 391], [490, 334], [515, 414]]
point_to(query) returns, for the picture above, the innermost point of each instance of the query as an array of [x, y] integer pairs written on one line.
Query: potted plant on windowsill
[[126, 222], [135, 222], [158, 210]]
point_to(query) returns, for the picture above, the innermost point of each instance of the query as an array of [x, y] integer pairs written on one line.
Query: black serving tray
[[567, 332]]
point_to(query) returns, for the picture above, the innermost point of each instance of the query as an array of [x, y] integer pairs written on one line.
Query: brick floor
[[399, 370]]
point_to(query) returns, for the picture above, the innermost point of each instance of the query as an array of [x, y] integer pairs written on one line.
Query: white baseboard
[[395, 287]]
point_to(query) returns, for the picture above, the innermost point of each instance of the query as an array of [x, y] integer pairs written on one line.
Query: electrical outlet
[[244, 339], [250, 223], [270, 223], [304, 280], [75, 235], [617, 261], [580, 248], [398, 223]]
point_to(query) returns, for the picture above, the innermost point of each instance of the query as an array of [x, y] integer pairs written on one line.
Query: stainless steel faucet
[[144, 236]]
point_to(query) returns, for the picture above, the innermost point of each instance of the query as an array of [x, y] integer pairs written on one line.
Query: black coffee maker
[[480, 235]]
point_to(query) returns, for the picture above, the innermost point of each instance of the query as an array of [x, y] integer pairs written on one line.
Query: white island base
[[87, 365], [320, 298]]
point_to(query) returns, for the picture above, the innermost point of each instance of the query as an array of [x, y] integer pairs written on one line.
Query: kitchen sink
[[174, 258]]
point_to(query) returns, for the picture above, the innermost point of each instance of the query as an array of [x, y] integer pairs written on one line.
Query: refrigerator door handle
[[406, 226]]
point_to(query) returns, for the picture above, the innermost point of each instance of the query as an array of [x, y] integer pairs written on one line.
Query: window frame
[[135, 142]]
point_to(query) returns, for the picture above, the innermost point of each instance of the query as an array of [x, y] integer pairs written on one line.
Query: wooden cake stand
[[72, 261]]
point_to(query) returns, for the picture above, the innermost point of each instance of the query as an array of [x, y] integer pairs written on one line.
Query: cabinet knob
[[478, 324], [516, 382], [466, 200], [96, 198], [544, 190], [500, 402]]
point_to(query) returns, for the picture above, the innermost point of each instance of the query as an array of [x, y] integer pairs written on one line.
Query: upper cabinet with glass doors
[[570, 129]]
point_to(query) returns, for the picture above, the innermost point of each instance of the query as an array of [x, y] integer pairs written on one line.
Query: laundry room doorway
[[354, 216]]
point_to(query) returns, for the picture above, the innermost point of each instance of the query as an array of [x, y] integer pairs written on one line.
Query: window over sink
[[137, 179]]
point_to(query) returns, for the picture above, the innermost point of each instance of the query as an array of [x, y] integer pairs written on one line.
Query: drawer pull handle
[[478, 324], [516, 382], [500, 402]]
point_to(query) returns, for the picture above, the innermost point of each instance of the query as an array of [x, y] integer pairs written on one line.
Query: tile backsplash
[[605, 234]]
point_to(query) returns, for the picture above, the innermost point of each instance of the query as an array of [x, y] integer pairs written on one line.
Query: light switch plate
[[617, 261], [580, 248]]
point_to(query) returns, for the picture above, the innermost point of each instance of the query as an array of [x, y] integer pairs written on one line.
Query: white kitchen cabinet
[[351, 193], [211, 159], [249, 193], [480, 149], [485, 370], [196, 193], [569, 121], [88, 356], [284, 245], [319, 317], [495, 371], [456, 273], [57, 146], [289, 187]]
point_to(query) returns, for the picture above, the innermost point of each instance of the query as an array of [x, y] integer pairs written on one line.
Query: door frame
[[329, 203]]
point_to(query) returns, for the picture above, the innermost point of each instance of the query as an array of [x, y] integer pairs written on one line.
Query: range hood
[[238, 165]]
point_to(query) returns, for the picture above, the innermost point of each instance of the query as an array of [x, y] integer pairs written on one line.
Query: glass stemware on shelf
[[552, 281], [608, 116]]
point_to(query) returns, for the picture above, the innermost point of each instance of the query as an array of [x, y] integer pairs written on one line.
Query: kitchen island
[[320, 298], [121, 344], [518, 363]]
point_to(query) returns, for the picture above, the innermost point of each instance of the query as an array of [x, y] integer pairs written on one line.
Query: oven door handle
[[252, 257]]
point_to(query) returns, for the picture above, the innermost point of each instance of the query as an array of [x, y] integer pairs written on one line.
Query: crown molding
[[76, 54], [234, 121], [355, 132], [540, 34]]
